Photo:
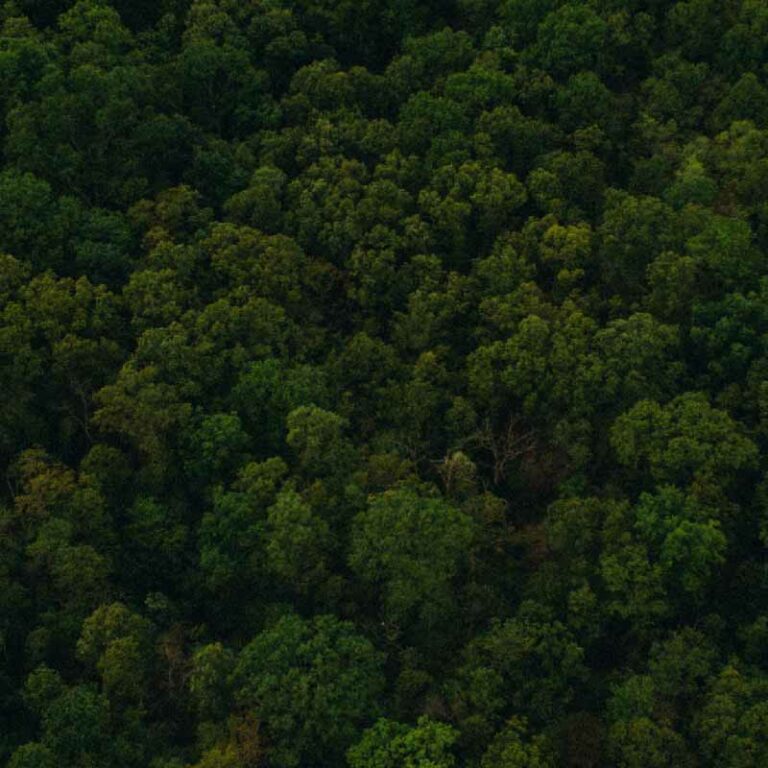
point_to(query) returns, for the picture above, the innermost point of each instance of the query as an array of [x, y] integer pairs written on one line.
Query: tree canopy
[[385, 383]]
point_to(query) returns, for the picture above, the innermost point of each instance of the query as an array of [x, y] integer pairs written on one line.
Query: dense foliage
[[385, 383]]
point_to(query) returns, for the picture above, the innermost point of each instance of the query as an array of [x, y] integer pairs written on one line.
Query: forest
[[384, 384]]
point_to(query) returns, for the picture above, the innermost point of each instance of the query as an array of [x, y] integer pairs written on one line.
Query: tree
[[528, 664], [33, 755], [231, 534], [145, 410], [35, 225], [298, 541], [155, 544], [571, 39], [510, 748], [730, 725], [268, 391], [221, 90], [390, 744], [688, 540], [568, 184], [637, 737], [209, 682], [72, 112], [632, 232], [316, 436], [118, 644], [641, 742], [411, 547], [518, 140], [214, 446], [313, 684], [686, 440], [75, 726]]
